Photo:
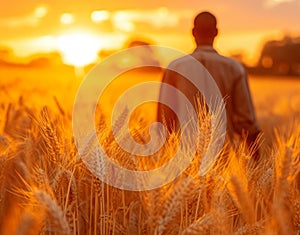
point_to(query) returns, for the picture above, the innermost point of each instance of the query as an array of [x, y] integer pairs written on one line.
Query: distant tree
[[137, 41], [5, 53], [281, 57], [146, 54]]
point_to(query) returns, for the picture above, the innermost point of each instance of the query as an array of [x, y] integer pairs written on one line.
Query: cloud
[[100, 16], [158, 18], [67, 18], [33, 19], [273, 3]]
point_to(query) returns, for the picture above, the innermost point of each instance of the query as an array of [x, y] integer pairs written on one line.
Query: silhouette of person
[[229, 75]]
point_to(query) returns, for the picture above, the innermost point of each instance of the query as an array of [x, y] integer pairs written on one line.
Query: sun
[[79, 49]]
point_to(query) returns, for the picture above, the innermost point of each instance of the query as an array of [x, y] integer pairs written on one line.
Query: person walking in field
[[229, 75]]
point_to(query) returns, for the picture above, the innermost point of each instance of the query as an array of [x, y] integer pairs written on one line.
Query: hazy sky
[[242, 24]]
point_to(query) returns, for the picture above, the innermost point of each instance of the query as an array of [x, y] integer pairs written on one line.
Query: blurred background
[[261, 33]]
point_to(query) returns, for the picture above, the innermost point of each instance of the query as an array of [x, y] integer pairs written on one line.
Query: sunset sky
[[77, 27]]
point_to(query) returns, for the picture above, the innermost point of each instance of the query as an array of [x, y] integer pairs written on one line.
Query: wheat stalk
[[242, 200], [54, 215], [201, 226]]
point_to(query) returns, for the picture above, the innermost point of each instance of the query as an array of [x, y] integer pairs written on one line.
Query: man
[[229, 75]]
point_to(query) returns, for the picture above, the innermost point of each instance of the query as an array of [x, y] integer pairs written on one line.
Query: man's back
[[228, 74], [231, 78]]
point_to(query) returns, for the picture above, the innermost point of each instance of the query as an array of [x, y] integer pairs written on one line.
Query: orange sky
[[44, 25]]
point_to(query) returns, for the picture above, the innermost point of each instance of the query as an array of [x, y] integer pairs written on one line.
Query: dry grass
[[45, 188]]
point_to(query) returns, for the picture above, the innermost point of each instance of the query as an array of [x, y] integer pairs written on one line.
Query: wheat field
[[45, 188]]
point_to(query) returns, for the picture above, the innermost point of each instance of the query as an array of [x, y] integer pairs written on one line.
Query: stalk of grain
[[242, 200], [171, 206], [201, 226], [54, 215]]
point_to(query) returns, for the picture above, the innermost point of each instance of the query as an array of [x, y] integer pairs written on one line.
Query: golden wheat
[[47, 188]]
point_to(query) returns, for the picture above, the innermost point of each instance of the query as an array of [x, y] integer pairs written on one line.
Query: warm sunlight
[[40, 11], [247, 44], [272, 3], [99, 16], [131, 117], [78, 49], [67, 18]]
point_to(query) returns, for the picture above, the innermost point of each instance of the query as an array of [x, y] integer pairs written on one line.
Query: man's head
[[205, 28]]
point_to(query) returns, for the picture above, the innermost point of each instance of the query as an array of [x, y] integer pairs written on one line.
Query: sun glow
[[272, 3], [79, 49], [67, 18], [99, 16], [40, 12]]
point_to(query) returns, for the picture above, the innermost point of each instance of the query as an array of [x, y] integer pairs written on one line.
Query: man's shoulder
[[229, 62], [184, 61], [181, 60], [192, 61]]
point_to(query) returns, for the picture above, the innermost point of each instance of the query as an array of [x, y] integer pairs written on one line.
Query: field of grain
[[45, 188]]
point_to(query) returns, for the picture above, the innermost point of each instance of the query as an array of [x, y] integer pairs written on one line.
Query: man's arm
[[244, 119], [165, 114]]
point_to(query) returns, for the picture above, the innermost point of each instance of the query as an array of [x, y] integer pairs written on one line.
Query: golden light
[[163, 17], [281, 1], [67, 18], [267, 62], [272, 3], [78, 49], [99, 16], [40, 12], [125, 26], [123, 21], [126, 20], [248, 42]]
